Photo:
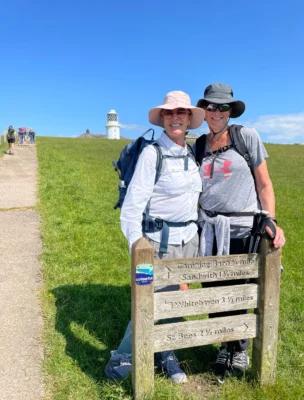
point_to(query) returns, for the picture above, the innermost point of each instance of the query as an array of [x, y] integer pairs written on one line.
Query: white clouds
[[133, 127], [287, 128]]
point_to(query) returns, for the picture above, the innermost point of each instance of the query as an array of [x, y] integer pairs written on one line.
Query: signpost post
[[262, 295]]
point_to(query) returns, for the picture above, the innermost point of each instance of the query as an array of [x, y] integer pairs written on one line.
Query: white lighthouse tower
[[113, 127]]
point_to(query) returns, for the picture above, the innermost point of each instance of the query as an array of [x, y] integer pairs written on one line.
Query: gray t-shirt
[[232, 186]]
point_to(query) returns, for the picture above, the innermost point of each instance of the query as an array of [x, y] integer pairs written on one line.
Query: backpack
[[237, 142], [126, 164], [11, 134]]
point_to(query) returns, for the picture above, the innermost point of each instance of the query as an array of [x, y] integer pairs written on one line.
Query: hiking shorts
[[13, 140]]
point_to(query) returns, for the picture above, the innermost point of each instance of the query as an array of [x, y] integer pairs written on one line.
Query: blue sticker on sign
[[144, 274]]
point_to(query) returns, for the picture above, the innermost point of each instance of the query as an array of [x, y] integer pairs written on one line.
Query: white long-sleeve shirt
[[174, 197]]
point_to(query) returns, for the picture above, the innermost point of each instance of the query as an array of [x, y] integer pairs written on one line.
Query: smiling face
[[217, 119], [176, 124]]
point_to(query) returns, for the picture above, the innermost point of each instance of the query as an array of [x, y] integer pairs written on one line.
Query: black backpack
[[11, 133], [126, 164], [237, 142]]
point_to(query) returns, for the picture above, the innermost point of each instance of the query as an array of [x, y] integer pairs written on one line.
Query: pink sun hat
[[177, 99]]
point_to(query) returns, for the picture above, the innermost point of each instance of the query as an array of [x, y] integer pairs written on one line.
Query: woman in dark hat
[[236, 189]]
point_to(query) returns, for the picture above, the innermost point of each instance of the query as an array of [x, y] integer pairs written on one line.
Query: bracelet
[[272, 219]]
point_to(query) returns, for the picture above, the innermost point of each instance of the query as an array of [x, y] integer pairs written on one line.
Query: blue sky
[[65, 64]]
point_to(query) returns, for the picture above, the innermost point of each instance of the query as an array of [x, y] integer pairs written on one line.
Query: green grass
[[3, 145], [86, 271]]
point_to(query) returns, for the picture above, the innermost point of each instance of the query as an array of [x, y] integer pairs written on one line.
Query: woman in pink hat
[[172, 200]]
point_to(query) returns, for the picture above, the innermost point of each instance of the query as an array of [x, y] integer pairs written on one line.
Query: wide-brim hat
[[177, 99], [219, 93]]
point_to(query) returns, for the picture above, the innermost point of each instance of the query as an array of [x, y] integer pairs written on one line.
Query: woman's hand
[[279, 239]]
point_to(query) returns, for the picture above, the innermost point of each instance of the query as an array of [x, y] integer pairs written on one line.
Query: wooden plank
[[205, 301], [264, 352], [142, 320], [197, 333], [206, 269]]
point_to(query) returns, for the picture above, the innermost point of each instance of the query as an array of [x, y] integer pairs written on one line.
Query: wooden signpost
[[262, 295]]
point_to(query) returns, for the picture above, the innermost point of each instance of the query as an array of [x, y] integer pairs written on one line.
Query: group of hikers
[[213, 189], [24, 135]]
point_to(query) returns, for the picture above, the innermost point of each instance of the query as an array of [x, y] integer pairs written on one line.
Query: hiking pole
[[264, 222], [258, 226]]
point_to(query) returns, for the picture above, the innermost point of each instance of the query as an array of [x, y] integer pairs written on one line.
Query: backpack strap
[[165, 233], [161, 157], [200, 145], [158, 167], [191, 153], [150, 224], [238, 143], [159, 160]]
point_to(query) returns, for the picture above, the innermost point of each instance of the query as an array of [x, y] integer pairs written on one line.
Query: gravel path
[[21, 351]]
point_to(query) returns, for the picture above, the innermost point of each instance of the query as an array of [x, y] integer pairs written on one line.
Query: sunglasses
[[180, 112], [221, 107]]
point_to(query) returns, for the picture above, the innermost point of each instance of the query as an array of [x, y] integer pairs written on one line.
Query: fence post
[[264, 351], [142, 318]]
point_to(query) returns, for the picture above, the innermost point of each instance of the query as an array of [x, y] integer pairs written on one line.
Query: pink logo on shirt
[[225, 169]]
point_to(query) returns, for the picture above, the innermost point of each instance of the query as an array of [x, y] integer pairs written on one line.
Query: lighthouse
[[113, 127]]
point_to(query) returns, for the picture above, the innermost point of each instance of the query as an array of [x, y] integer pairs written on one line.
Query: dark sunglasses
[[222, 107]]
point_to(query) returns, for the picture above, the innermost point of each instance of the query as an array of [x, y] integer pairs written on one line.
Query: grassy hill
[[86, 272]]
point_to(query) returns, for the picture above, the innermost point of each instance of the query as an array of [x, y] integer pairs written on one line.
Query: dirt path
[[21, 351]]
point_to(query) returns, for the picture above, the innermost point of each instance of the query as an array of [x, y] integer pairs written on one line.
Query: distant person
[[11, 139], [171, 204], [26, 134], [232, 194], [32, 135], [21, 135]]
